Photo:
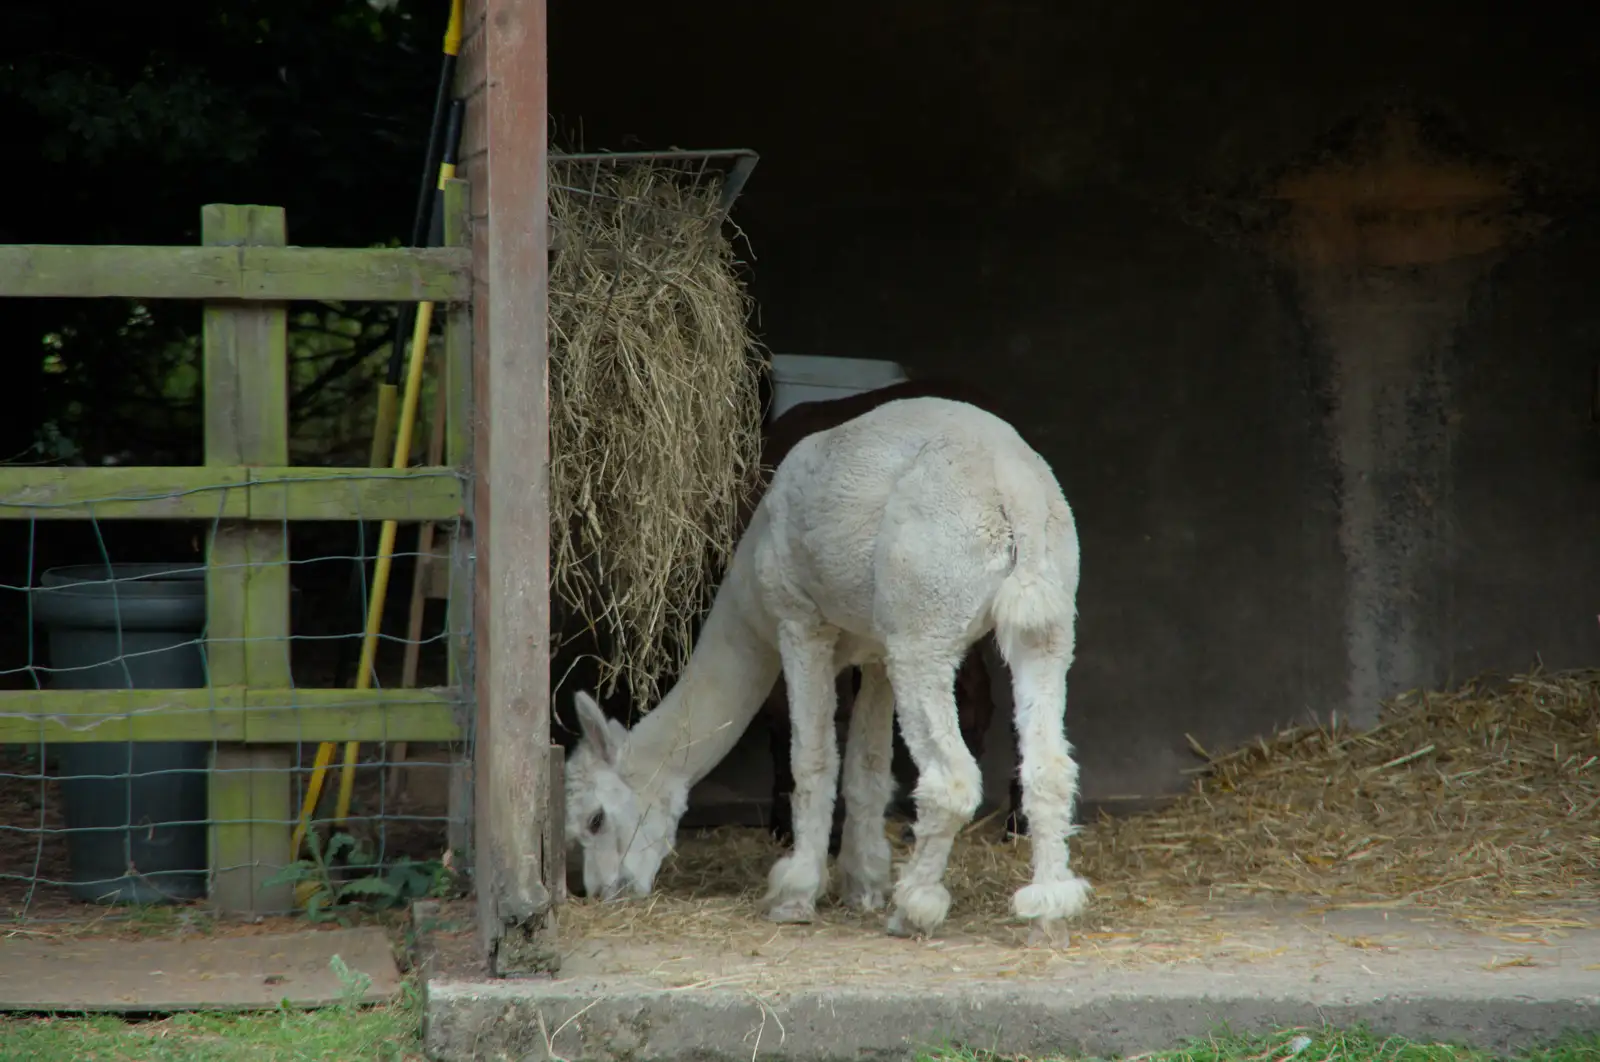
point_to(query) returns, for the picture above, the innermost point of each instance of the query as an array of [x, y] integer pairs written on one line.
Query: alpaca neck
[[722, 687]]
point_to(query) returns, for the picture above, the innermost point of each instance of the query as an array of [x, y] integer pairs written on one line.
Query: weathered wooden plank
[[457, 393], [263, 368], [67, 716], [247, 622], [230, 492], [515, 897], [457, 399], [234, 334], [272, 274], [250, 790], [228, 714], [123, 493], [267, 632], [457, 377], [410, 494], [555, 825], [351, 715]]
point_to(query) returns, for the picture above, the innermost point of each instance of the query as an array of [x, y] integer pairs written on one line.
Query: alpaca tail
[[1032, 608]]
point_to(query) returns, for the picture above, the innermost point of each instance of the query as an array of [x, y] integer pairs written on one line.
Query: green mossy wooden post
[[247, 423]]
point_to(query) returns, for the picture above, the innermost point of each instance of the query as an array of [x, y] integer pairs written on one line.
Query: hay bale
[[654, 407]]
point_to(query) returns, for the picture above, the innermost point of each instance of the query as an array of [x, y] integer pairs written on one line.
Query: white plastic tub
[[800, 378]]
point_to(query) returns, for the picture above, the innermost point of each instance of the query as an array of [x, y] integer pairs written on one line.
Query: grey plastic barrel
[[136, 810]]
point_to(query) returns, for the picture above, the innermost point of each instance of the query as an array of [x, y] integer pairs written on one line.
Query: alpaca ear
[[601, 733]]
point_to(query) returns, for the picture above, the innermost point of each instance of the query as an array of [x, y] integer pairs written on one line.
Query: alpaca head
[[622, 816]]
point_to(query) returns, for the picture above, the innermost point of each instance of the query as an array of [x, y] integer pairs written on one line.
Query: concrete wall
[[1308, 474], [1167, 380], [1188, 394]]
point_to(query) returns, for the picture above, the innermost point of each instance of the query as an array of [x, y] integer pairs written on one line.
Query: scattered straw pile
[[654, 409], [1483, 803], [1480, 799]]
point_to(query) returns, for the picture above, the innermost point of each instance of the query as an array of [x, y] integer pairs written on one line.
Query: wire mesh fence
[[134, 769]]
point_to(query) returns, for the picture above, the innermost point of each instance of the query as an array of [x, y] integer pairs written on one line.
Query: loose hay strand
[[655, 407], [1468, 800], [1477, 803]]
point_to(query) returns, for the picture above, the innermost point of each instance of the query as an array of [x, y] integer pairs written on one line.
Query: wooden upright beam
[[515, 898], [456, 397], [247, 631]]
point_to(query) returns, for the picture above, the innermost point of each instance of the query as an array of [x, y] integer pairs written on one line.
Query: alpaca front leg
[[949, 786], [1049, 793], [798, 879], [864, 856]]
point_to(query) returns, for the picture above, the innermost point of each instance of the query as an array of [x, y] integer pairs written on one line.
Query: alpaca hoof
[[861, 895], [919, 910], [1051, 901], [792, 912], [1049, 933], [897, 926], [792, 890]]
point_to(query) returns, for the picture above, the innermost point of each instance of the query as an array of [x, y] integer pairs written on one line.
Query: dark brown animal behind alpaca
[[974, 697]]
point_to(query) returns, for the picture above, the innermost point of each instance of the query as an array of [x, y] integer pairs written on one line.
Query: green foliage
[[288, 1034], [1326, 1044], [331, 886], [129, 121], [353, 984]]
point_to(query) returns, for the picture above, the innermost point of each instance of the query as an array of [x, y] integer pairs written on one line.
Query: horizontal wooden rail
[[228, 714], [278, 274], [230, 492]]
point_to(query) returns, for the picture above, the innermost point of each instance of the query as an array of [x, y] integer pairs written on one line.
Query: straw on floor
[[1482, 803]]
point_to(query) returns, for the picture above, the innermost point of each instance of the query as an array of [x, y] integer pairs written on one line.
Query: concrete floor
[[831, 992], [45, 972]]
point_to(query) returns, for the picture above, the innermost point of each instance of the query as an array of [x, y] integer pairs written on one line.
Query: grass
[[345, 1033], [1325, 1045], [390, 1034]]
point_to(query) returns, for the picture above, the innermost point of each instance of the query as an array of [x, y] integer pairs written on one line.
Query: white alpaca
[[892, 542]]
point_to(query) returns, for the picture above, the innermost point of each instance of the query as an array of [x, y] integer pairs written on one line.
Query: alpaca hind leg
[[949, 783], [780, 743], [847, 693], [1049, 793], [864, 856], [799, 878]]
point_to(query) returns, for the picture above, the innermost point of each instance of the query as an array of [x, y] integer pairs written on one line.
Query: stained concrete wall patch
[[1387, 242]]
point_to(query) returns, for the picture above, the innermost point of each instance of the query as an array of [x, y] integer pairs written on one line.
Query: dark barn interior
[[1295, 300]]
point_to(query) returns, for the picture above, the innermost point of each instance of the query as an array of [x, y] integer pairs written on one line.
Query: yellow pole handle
[[452, 32], [380, 588]]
